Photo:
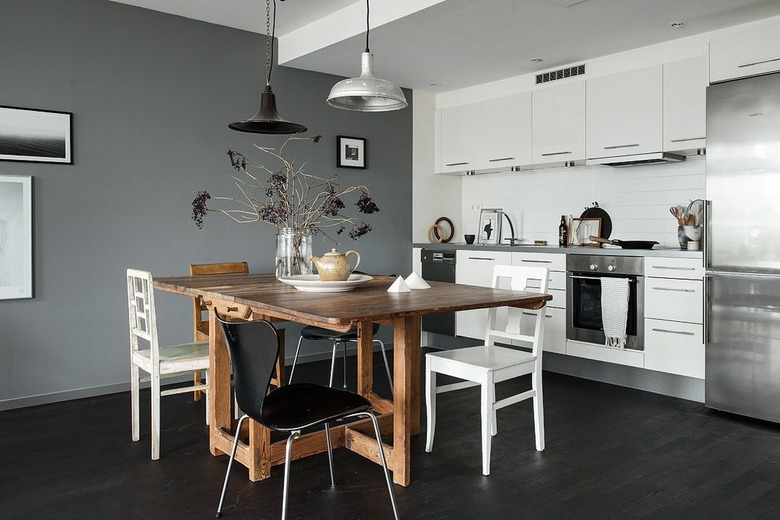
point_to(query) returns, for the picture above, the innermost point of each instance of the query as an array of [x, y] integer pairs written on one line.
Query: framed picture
[[350, 152], [489, 227], [15, 237], [35, 135], [583, 229]]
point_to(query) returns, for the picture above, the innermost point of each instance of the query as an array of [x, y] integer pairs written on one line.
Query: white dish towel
[[614, 310]]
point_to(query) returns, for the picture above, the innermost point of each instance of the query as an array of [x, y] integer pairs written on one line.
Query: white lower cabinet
[[476, 268], [674, 347], [674, 302], [555, 314]]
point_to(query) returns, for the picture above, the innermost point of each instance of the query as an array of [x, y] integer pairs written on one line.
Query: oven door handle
[[579, 277]]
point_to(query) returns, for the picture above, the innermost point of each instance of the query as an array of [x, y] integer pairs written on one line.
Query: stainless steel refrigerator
[[742, 248]]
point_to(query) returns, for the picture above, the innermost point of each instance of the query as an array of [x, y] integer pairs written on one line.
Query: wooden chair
[[254, 349], [200, 310], [158, 361], [488, 364]]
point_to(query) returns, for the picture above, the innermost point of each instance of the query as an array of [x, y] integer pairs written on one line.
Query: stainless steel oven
[[583, 296]]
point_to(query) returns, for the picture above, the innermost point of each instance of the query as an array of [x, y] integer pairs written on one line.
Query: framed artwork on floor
[[350, 152], [30, 135], [15, 237]]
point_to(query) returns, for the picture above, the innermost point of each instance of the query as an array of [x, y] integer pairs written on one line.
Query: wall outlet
[[476, 206]]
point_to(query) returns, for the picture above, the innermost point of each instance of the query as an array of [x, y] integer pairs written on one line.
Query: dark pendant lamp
[[367, 93], [267, 120]]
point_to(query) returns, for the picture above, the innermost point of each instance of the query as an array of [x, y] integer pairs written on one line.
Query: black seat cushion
[[317, 333], [300, 405]]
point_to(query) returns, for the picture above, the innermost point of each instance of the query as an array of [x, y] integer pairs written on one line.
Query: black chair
[[313, 333], [254, 347]]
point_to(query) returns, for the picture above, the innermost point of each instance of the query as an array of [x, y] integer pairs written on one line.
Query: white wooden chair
[[488, 364], [158, 361]]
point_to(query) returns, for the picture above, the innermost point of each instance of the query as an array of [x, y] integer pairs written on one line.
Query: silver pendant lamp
[[367, 93], [267, 120]]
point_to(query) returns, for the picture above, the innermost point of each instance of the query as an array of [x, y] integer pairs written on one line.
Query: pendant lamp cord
[[270, 31], [368, 8]]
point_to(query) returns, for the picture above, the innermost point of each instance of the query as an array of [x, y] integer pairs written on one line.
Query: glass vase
[[293, 252]]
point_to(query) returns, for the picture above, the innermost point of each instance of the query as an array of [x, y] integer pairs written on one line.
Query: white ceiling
[[459, 43]]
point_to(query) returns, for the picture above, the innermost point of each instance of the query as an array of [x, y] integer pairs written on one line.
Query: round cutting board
[[606, 222]]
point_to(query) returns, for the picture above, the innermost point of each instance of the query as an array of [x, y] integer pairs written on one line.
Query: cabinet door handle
[[501, 159], [621, 146], [535, 261], [674, 289], [674, 268], [480, 258], [680, 332], [456, 163], [758, 62], [687, 139], [554, 153]]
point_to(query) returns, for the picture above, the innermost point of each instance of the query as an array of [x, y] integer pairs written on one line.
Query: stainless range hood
[[638, 159]]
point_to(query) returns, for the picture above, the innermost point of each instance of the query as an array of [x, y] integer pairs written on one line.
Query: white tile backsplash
[[636, 198]]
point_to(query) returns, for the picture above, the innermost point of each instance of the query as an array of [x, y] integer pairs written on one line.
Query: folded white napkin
[[399, 285], [415, 281], [614, 310]]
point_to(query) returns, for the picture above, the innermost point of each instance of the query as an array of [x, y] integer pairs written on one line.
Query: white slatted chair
[[488, 364], [158, 361]]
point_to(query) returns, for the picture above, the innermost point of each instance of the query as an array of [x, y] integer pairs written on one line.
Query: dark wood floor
[[612, 453]]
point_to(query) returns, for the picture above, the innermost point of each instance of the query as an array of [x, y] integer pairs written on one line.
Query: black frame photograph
[[350, 152], [30, 135], [15, 237]]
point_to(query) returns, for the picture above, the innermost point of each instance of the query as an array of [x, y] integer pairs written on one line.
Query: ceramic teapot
[[334, 266]]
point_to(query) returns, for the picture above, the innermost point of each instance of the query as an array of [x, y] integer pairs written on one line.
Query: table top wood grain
[[342, 310]]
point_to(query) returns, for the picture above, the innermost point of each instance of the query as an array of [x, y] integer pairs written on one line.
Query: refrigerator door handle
[[707, 309], [707, 234]]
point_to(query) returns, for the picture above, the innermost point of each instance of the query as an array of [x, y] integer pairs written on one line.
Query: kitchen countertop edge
[[574, 250]]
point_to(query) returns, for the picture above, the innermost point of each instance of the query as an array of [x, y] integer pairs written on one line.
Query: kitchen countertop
[[574, 250]]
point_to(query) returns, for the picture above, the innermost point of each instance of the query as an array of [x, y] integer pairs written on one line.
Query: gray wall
[[151, 96]]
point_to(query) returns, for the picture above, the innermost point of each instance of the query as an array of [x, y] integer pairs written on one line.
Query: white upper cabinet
[[685, 112], [745, 53], [624, 113], [456, 133], [488, 135], [559, 123]]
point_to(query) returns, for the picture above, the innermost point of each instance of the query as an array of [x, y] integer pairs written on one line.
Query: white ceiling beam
[[345, 23]]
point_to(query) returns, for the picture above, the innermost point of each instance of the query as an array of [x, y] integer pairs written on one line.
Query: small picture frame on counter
[[583, 229], [489, 228]]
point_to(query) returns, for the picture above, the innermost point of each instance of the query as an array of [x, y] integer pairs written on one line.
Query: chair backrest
[[254, 347], [199, 308], [514, 325], [140, 306]]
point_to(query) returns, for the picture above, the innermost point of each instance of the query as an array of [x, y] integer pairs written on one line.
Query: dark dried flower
[[237, 160], [316, 139], [366, 204], [332, 206], [359, 230], [199, 208], [340, 230]]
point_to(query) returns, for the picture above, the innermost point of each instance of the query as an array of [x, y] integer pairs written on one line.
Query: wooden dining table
[[262, 296]]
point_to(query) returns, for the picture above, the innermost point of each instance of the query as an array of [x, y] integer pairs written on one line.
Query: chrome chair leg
[[333, 363], [295, 360], [330, 454], [230, 464], [381, 456], [287, 452], [387, 365], [344, 356]]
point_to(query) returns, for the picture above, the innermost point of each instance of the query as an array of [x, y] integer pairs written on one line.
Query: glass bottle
[[563, 233]]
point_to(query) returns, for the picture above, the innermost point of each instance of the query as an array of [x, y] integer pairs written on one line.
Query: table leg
[[365, 358], [219, 384], [406, 389]]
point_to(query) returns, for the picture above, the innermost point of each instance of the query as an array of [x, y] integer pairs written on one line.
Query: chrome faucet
[[512, 241]]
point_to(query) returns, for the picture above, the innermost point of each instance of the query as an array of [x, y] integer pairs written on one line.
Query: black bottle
[[563, 233]]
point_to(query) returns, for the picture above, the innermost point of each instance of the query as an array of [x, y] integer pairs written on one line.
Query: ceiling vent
[[568, 72]]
